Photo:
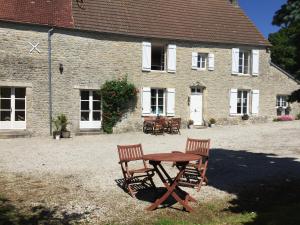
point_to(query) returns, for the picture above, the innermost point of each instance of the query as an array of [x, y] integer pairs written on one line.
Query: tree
[[285, 50]]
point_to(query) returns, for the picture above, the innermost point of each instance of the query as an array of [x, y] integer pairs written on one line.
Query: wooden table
[[181, 160]]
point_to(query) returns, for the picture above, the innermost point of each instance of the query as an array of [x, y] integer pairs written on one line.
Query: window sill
[[158, 71], [244, 75], [201, 69]]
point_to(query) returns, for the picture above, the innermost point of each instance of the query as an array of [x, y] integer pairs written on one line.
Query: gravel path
[[78, 175]]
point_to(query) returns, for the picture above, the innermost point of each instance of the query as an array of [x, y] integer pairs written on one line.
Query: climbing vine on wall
[[118, 97]]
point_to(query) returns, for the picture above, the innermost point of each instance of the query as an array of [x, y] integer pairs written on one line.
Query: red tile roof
[[216, 21], [45, 12]]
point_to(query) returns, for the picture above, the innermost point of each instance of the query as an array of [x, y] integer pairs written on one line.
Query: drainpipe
[[50, 33]]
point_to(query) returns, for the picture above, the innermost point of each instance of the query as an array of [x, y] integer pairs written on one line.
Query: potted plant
[[61, 122], [190, 124], [245, 117], [212, 122], [56, 132]]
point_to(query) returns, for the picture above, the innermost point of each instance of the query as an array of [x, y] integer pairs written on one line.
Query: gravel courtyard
[[77, 177]]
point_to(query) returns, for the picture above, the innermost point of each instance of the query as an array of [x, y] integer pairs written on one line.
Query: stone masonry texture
[[89, 59]]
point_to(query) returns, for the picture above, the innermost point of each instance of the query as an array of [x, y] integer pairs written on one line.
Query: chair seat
[[195, 165], [142, 170]]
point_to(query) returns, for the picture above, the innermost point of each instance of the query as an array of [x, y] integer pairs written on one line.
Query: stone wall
[[89, 59]]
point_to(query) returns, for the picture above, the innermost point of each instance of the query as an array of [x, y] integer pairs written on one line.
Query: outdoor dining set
[[191, 170], [160, 125]]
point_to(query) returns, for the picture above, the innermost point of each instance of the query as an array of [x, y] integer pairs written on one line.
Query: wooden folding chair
[[131, 153], [159, 126], [174, 126], [195, 173]]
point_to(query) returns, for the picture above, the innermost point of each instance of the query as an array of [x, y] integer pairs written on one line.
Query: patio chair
[[159, 126], [195, 172], [134, 153], [174, 126], [148, 125]]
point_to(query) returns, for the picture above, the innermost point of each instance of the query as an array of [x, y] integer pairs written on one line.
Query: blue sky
[[261, 12]]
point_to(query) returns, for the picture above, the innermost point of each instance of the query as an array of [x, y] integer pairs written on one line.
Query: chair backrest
[[160, 122], [176, 122], [129, 153], [198, 146]]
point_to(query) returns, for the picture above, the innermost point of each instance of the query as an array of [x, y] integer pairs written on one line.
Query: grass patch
[[268, 204]]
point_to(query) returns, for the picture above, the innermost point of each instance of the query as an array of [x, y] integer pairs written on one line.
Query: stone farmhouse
[[194, 59]]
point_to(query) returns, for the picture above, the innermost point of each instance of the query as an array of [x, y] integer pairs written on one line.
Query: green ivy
[[118, 96]]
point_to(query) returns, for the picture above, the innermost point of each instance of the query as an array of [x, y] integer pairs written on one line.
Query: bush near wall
[[284, 118], [117, 98]]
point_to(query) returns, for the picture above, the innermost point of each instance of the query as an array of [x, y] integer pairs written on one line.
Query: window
[[158, 57], [244, 62], [282, 105], [202, 61], [196, 90], [242, 102], [158, 101]]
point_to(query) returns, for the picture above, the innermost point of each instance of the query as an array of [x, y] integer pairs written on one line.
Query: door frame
[[13, 124], [90, 124], [198, 91]]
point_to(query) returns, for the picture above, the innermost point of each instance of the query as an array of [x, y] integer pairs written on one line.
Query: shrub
[[245, 117], [60, 123], [212, 121], [285, 118], [298, 117], [190, 122], [116, 98]]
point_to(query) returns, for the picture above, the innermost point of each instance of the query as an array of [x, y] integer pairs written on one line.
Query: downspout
[[50, 33]]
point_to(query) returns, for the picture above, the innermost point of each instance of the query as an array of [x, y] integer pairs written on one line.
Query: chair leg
[[151, 181]]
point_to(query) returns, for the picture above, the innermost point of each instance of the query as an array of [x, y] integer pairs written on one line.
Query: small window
[[158, 101], [242, 102], [202, 61], [244, 62], [158, 57], [282, 105], [196, 90]]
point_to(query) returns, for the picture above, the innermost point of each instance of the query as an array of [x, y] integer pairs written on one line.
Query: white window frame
[[243, 51], [13, 123], [156, 105], [281, 101], [242, 104], [91, 123], [203, 58]]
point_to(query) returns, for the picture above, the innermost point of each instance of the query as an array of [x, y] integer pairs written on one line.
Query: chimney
[[234, 3]]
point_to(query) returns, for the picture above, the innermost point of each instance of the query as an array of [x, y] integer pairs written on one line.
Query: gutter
[[50, 33]]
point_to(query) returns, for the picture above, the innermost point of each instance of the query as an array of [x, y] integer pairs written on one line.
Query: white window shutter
[[255, 62], [194, 60], [146, 64], [255, 102], [235, 60], [233, 101], [146, 101], [211, 61], [171, 102], [171, 58]]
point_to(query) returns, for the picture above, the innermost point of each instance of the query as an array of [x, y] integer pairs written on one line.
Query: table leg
[[170, 188]]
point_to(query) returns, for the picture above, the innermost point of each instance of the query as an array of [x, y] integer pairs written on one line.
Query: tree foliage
[[285, 51], [116, 98]]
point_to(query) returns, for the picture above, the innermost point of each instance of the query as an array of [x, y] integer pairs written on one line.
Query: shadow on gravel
[[267, 188], [10, 215], [264, 184]]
